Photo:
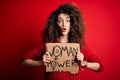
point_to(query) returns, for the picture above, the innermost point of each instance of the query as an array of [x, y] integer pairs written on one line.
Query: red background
[[21, 23]]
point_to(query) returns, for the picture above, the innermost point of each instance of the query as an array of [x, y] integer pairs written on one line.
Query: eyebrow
[[68, 17], [61, 17]]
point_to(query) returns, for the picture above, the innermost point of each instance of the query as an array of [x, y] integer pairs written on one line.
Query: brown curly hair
[[51, 32]]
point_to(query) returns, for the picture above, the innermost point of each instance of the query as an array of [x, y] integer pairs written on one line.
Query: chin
[[64, 34]]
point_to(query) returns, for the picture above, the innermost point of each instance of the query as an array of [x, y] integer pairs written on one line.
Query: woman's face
[[64, 23]]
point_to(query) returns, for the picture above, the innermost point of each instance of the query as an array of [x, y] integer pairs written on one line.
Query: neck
[[64, 38]]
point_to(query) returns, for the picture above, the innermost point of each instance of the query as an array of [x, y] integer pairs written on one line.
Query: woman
[[65, 25]]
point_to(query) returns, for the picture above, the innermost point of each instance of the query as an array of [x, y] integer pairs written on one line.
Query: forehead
[[62, 15]]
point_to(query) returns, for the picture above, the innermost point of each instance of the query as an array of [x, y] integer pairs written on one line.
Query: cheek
[[59, 25], [68, 27]]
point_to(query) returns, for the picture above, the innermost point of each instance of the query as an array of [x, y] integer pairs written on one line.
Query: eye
[[59, 21], [67, 20]]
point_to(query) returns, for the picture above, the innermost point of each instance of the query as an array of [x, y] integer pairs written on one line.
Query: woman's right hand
[[46, 58]]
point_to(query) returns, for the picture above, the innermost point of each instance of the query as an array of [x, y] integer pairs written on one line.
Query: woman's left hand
[[80, 56]]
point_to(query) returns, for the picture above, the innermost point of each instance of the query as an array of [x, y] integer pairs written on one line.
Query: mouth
[[63, 29]]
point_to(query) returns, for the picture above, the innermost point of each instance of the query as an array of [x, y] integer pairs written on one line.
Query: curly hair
[[77, 30]]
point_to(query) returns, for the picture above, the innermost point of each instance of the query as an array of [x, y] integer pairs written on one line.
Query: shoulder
[[85, 49]]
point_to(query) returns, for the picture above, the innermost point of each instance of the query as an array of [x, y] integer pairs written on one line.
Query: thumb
[[82, 63]]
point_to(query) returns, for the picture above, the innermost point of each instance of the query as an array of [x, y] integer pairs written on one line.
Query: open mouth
[[63, 29]]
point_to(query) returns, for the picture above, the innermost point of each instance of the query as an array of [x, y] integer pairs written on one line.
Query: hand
[[80, 57], [60, 70], [46, 58]]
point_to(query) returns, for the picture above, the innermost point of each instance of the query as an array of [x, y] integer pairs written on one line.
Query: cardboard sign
[[62, 56]]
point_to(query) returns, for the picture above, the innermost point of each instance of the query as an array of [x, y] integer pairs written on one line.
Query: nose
[[63, 23]]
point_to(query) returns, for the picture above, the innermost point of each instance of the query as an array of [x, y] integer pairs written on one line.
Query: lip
[[63, 29]]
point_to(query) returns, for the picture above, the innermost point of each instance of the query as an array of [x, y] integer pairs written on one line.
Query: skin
[[64, 26]]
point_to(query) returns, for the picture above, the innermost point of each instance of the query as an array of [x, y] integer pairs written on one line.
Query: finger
[[81, 56], [45, 63], [46, 56], [47, 53], [73, 73], [61, 69], [82, 63], [78, 52], [47, 60]]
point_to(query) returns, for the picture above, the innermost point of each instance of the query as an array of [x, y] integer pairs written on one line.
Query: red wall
[[22, 21]]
